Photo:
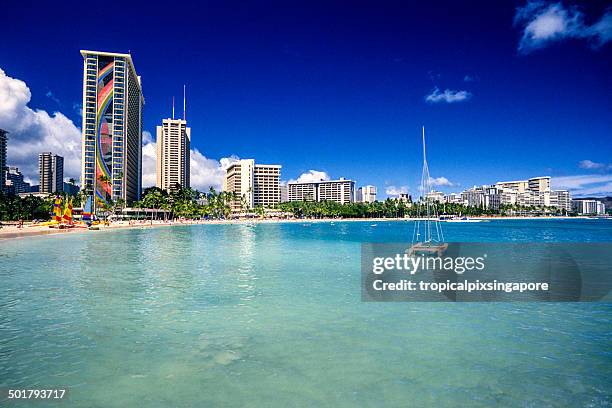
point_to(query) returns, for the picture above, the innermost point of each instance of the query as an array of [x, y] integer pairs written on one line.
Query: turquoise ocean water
[[271, 315]]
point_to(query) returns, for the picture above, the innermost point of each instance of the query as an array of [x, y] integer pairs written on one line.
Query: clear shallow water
[[270, 315]]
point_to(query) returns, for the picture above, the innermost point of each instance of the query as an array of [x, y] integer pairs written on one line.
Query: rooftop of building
[[128, 58], [239, 162], [341, 179]]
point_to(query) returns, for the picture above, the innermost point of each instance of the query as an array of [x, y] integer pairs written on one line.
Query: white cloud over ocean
[[585, 184], [394, 191], [33, 131], [311, 176], [441, 182], [591, 165], [448, 96], [543, 23]]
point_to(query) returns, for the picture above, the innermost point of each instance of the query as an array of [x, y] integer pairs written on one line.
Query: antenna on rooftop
[[173, 107], [184, 105]]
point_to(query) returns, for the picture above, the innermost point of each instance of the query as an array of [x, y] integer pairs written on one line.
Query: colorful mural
[[104, 122]]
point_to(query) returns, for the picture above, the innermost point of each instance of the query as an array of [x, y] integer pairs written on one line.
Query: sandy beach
[[31, 230]]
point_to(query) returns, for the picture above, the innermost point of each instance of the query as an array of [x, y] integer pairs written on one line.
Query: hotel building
[[561, 199], [534, 192], [112, 127], [341, 191], [15, 183], [435, 196], [284, 192], [50, 173], [3, 169], [589, 207], [256, 184], [173, 144], [366, 194]]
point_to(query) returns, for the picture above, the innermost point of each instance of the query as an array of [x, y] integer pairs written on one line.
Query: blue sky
[[516, 89]]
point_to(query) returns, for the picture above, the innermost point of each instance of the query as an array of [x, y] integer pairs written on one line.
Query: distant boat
[[462, 219]]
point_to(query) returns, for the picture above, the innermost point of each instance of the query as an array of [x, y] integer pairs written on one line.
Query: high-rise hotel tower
[[51, 173], [255, 184], [173, 141], [112, 127], [3, 168]]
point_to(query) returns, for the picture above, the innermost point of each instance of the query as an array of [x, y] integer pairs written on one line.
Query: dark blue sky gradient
[[338, 86]]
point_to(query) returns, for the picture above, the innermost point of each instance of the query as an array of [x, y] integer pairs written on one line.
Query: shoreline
[[12, 232]]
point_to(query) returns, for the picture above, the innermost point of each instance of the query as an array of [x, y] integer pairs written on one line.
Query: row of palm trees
[[190, 203]]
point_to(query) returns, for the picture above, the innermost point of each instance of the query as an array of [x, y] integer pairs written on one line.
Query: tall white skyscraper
[[112, 127], [51, 172], [173, 144]]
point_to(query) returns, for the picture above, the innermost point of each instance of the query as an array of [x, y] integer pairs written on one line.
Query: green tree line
[[192, 204]]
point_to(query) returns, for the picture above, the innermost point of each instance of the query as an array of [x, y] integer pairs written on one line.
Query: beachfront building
[[341, 191], [3, 168], [50, 173], [255, 184], [561, 199], [435, 196], [453, 198], [535, 192], [366, 194], [15, 183], [589, 207], [112, 127], [516, 186], [173, 144], [474, 197], [284, 193], [403, 197]]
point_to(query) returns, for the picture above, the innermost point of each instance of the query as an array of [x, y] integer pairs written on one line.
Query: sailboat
[[88, 216], [57, 213], [427, 237], [67, 216], [57, 209], [87, 209]]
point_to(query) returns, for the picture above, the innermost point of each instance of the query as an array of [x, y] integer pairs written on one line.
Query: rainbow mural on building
[[104, 125]]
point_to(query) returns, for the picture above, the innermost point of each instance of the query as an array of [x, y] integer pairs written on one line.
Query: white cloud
[[583, 185], [149, 160], [448, 96], [205, 172], [35, 131], [441, 181], [591, 165], [396, 191], [312, 175], [543, 23], [470, 78]]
